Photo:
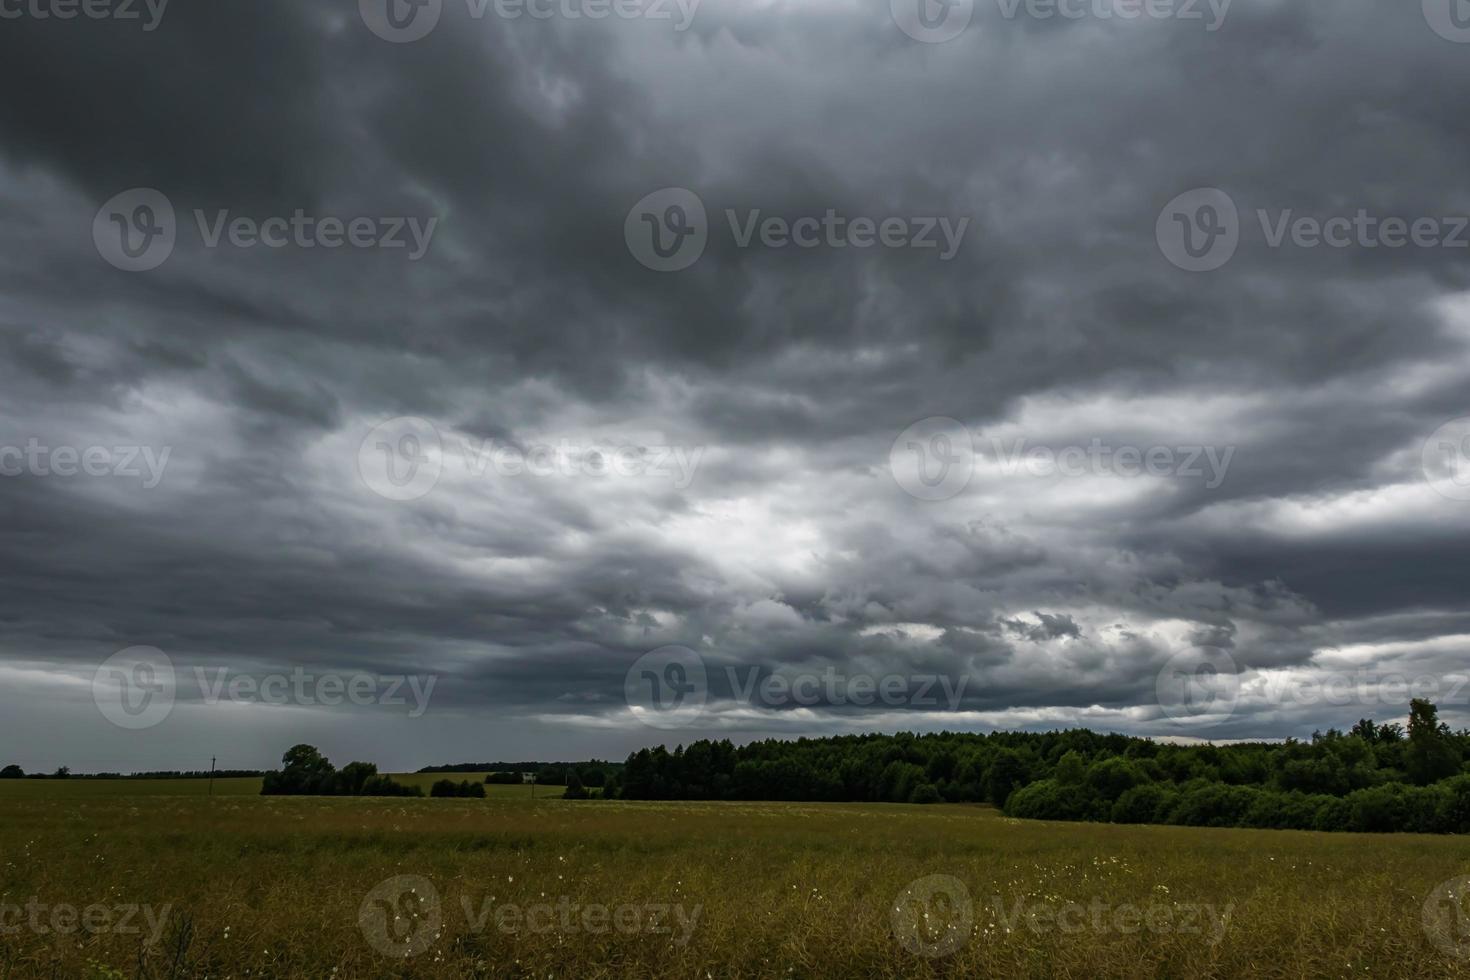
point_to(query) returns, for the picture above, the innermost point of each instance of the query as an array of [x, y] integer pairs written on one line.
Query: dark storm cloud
[[779, 376]]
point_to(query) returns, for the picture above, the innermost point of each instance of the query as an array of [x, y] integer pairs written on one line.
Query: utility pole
[[212, 761]]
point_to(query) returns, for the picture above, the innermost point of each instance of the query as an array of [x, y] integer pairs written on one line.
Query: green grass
[[244, 786], [277, 887]]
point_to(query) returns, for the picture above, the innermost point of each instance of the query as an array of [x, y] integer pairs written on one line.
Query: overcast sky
[[1033, 404]]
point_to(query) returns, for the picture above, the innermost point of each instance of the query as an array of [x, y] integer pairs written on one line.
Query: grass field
[[248, 886], [247, 786]]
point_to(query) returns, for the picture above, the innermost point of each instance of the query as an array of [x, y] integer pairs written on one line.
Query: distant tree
[[354, 776], [1430, 755], [465, 788], [925, 793], [62, 772], [1071, 768], [1111, 778], [575, 790], [12, 772], [304, 772], [385, 786], [1007, 772]]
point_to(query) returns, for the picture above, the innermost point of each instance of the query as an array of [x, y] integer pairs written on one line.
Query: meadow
[[237, 786], [127, 880]]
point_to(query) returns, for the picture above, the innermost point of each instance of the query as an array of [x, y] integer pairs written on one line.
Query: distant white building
[[528, 777]]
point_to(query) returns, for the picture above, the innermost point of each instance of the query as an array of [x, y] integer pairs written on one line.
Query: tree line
[[64, 772], [306, 772], [1370, 778]]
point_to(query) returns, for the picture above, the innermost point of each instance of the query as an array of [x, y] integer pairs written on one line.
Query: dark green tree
[[1430, 755]]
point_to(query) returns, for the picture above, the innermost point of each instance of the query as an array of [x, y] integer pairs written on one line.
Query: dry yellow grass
[[285, 887]]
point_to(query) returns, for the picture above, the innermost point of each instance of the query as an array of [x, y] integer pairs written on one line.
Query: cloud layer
[[734, 457]]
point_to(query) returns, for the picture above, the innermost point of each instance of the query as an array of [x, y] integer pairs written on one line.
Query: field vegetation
[[259, 886]]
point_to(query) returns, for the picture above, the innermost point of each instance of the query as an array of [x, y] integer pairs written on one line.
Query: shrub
[[1333, 813], [465, 788], [1048, 799], [1203, 804], [384, 786], [925, 793], [1144, 803], [1111, 778], [1453, 815]]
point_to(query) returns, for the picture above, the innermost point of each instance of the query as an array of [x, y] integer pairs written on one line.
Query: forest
[[1373, 778]]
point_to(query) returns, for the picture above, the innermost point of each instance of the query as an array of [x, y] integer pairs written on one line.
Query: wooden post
[[212, 761]]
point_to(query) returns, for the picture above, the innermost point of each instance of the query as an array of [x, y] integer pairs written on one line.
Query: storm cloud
[[687, 360]]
